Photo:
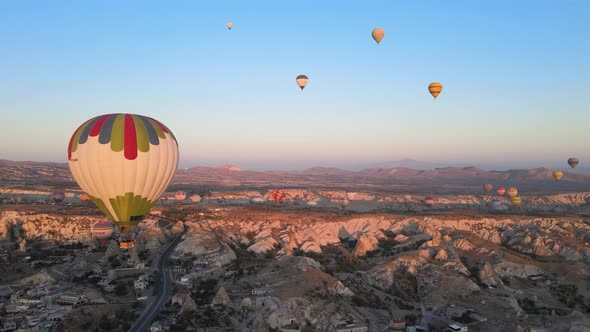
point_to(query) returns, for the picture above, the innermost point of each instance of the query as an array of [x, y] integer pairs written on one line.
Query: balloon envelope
[[428, 200], [195, 198], [277, 196], [435, 89], [516, 200], [124, 162], [84, 198], [501, 191], [230, 25], [557, 175], [512, 192], [58, 196], [378, 34], [488, 187], [102, 229], [180, 196], [301, 81], [573, 162]]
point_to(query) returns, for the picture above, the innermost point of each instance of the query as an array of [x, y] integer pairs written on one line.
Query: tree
[[120, 289]]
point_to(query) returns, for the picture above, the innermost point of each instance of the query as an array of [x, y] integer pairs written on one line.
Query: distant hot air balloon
[[573, 162], [488, 187], [496, 203], [301, 81], [428, 200], [557, 175], [512, 192], [58, 196], [501, 191], [435, 89], [378, 34], [180, 196], [124, 162], [516, 200], [195, 198], [102, 230], [84, 198], [230, 25], [278, 195]]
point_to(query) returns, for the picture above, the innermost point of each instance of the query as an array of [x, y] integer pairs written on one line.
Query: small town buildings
[[349, 326], [8, 325], [72, 299], [261, 291], [140, 285]]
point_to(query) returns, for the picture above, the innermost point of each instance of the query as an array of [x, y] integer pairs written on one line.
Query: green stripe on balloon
[[78, 134], [129, 206], [143, 142], [159, 130], [118, 134], [101, 206]]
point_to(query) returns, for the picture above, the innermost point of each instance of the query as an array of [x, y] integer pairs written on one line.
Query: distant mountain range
[[24, 173]]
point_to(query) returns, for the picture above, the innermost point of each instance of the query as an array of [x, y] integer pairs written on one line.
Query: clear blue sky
[[515, 76]]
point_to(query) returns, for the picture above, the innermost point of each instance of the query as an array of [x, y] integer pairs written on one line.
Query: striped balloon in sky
[[58, 196], [435, 88], [277, 195], [124, 162]]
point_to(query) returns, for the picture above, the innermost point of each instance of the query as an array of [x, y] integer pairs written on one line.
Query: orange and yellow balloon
[[512, 192], [435, 89], [230, 25], [557, 175], [516, 200]]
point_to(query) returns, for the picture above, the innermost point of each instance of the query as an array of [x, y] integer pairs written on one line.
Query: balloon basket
[[126, 244]]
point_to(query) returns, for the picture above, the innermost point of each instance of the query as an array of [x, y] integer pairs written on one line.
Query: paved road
[[156, 302]]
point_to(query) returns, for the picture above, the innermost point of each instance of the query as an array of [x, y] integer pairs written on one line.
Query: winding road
[[156, 303]]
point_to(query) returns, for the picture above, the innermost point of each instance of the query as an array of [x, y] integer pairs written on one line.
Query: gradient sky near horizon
[[514, 73]]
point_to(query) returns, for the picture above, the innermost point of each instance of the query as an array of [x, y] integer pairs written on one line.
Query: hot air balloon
[[496, 203], [557, 175], [230, 25], [301, 81], [488, 187], [58, 196], [516, 200], [512, 192], [435, 88], [278, 195], [573, 162], [84, 198], [378, 34], [102, 230], [428, 200], [195, 198], [501, 191], [124, 162], [180, 196]]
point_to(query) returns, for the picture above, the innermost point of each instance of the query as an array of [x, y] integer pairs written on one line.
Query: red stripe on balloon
[[130, 138], [98, 126]]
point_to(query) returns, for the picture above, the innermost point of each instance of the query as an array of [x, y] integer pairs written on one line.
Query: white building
[[140, 284], [72, 299], [458, 328]]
